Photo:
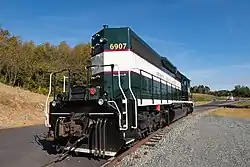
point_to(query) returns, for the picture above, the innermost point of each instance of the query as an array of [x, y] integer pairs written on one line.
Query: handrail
[[47, 100], [155, 76], [120, 87], [64, 83], [129, 86], [119, 113], [162, 81], [125, 98], [46, 110]]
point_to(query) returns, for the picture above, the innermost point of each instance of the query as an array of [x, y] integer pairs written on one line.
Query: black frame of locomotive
[[88, 81], [59, 100]]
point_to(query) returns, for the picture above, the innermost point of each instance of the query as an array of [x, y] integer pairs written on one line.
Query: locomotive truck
[[131, 91]]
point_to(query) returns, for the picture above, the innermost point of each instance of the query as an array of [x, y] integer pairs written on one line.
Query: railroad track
[[152, 139], [155, 137]]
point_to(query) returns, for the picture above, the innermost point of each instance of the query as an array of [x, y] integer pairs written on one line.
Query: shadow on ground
[[46, 144]]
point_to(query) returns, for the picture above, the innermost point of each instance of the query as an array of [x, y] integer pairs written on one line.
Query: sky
[[207, 40]]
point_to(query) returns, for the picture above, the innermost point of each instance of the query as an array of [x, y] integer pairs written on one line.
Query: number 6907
[[118, 46]]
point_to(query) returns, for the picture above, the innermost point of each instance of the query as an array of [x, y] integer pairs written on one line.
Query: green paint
[[124, 38], [142, 87], [116, 37]]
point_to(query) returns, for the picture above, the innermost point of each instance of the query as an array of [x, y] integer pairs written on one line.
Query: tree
[[241, 91], [200, 89], [25, 64]]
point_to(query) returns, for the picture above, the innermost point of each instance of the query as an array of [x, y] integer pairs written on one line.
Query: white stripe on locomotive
[[127, 60]]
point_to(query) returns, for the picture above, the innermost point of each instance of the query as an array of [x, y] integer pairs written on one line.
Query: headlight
[[103, 40], [54, 103], [100, 102]]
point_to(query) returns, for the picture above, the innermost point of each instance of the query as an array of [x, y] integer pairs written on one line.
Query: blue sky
[[208, 40]]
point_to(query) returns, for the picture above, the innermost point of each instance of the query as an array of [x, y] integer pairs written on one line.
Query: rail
[[140, 92], [167, 86]]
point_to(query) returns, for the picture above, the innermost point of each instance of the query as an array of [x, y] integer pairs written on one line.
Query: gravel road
[[199, 141]]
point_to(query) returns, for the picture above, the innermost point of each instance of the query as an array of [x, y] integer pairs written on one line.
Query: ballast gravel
[[202, 140]]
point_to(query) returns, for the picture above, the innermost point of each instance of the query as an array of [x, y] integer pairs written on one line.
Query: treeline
[[241, 91], [200, 89], [28, 65], [238, 91]]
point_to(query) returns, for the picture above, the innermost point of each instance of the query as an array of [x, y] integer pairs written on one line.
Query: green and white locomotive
[[131, 92]]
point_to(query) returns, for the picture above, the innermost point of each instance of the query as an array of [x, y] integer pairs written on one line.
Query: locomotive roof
[[149, 47], [142, 41], [145, 44]]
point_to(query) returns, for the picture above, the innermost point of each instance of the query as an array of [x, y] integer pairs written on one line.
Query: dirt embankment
[[20, 107]]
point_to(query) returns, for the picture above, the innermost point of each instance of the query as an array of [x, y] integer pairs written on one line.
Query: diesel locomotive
[[131, 91]]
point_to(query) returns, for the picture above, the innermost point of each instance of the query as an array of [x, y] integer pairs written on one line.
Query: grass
[[197, 103], [200, 98], [197, 97], [243, 103], [232, 112]]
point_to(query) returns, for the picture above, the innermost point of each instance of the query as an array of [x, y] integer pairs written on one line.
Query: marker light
[[100, 102], [92, 91], [53, 103]]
